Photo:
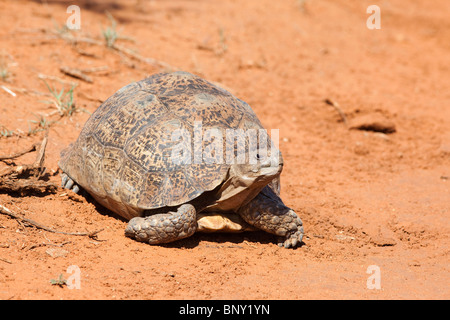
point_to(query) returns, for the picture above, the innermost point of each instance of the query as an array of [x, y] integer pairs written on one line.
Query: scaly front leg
[[268, 212]]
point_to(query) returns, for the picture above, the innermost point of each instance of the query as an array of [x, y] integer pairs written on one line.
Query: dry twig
[[76, 73], [48, 244], [24, 186], [39, 162], [21, 153], [75, 40], [8, 212], [62, 81], [8, 90], [140, 58], [336, 106], [11, 183]]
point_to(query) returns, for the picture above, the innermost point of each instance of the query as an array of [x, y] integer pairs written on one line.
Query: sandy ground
[[370, 201]]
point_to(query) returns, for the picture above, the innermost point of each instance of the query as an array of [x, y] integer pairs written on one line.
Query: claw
[[64, 179], [292, 240], [76, 188], [69, 184]]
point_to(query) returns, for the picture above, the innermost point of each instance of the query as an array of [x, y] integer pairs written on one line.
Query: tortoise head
[[258, 172], [244, 181]]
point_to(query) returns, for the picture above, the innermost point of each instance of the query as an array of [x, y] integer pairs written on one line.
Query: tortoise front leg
[[268, 212], [164, 227]]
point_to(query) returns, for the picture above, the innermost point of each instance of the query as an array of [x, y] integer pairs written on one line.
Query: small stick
[[73, 40], [37, 165], [25, 186], [249, 244], [84, 53], [48, 244], [76, 73], [94, 69], [140, 58], [6, 211], [39, 162], [88, 97], [336, 106], [46, 77], [10, 183], [18, 154], [4, 260], [8, 90], [31, 92]]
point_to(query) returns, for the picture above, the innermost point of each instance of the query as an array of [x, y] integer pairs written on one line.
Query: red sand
[[365, 198]]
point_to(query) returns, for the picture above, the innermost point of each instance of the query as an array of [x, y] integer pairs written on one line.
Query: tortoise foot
[[68, 183], [294, 237], [268, 212]]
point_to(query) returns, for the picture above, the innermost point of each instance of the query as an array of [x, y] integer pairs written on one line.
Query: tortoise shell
[[124, 156]]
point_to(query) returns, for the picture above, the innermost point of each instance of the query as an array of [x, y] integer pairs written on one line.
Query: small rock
[[56, 252], [381, 241], [342, 236]]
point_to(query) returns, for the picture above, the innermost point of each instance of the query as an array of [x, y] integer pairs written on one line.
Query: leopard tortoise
[[152, 154]]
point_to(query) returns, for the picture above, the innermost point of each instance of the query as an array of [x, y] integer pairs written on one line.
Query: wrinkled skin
[[268, 212]]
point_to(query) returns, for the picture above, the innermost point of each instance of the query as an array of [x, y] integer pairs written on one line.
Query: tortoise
[[152, 154]]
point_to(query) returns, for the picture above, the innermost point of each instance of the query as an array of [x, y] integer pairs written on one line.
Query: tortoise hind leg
[[68, 183], [164, 227]]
